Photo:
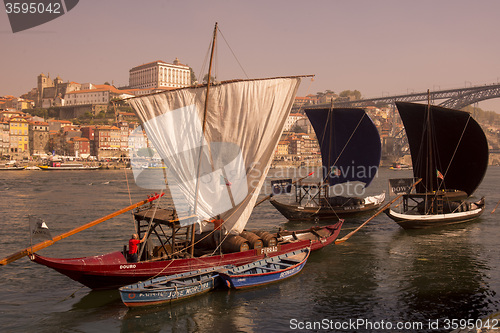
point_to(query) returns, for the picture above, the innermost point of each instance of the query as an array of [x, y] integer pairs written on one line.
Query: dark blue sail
[[349, 142], [458, 157]]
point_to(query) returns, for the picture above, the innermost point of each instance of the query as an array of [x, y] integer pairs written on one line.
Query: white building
[[291, 120], [159, 74], [4, 138], [98, 94]]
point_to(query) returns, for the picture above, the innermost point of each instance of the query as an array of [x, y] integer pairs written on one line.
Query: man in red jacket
[[133, 248]]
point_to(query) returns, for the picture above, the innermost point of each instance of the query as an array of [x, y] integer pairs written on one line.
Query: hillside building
[[38, 137], [159, 74]]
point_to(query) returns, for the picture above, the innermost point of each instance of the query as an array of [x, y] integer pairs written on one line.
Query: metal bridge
[[454, 98]]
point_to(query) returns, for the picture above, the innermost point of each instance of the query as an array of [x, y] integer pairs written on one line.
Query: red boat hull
[[110, 271]]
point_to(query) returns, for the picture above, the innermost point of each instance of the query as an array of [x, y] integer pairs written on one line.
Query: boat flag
[[38, 228], [439, 174], [335, 171]]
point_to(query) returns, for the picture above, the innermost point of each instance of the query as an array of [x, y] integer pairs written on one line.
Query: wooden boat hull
[[170, 288], [297, 212], [263, 272], [112, 270], [417, 221]]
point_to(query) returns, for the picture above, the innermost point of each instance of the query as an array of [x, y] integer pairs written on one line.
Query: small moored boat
[[170, 288], [56, 165], [11, 167], [449, 152], [267, 270], [330, 207], [350, 151], [400, 166]]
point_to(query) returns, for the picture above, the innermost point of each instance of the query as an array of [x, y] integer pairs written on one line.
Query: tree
[[349, 93], [297, 129], [39, 112], [205, 79], [193, 76]]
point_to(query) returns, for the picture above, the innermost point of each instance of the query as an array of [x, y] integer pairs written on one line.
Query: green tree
[[297, 129], [348, 93], [205, 79], [193, 76]]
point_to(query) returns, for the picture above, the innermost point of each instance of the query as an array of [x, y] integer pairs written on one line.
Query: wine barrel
[[205, 240], [234, 243], [268, 238], [254, 240]]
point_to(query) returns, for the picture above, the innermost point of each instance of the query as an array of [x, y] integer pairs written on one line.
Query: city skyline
[[379, 48]]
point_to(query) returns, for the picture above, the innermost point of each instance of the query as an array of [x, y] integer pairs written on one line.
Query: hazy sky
[[377, 47]]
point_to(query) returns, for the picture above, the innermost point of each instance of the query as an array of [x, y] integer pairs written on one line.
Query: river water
[[381, 277]]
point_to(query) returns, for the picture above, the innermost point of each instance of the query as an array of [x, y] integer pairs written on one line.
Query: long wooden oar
[[346, 237], [495, 207], [47, 243], [270, 195]]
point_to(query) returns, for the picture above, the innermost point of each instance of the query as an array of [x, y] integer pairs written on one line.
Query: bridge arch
[[471, 97], [453, 98]]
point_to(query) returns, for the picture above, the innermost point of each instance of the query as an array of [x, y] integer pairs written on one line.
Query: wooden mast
[[429, 164], [428, 204], [205, 110]]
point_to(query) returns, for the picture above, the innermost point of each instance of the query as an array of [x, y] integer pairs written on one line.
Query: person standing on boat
[[218, 222], [133, 247]]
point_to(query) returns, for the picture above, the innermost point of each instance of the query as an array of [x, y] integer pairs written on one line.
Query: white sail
[[217, 166]]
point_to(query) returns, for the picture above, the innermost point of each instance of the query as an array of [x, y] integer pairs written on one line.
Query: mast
[[205, 110], [430, 185], [429, 160], [208, 80]]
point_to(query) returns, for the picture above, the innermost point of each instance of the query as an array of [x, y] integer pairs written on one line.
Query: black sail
[[457, 150], [349, 142]]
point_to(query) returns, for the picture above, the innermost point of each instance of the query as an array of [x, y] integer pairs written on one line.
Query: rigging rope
[[456, 148], [345, 146], [234, 55], [341, 152]]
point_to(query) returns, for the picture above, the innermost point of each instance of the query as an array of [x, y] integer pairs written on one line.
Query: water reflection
[[97, 299], [347, 285], [440, 274], [381, 273], [204, 313]]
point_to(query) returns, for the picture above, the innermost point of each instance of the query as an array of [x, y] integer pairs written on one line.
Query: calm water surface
[[383, 274]]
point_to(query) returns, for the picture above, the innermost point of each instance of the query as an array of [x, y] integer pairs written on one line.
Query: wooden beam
[[47, 243]]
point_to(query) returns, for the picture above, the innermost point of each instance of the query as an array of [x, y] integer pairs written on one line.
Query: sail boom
[[204, 85]]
